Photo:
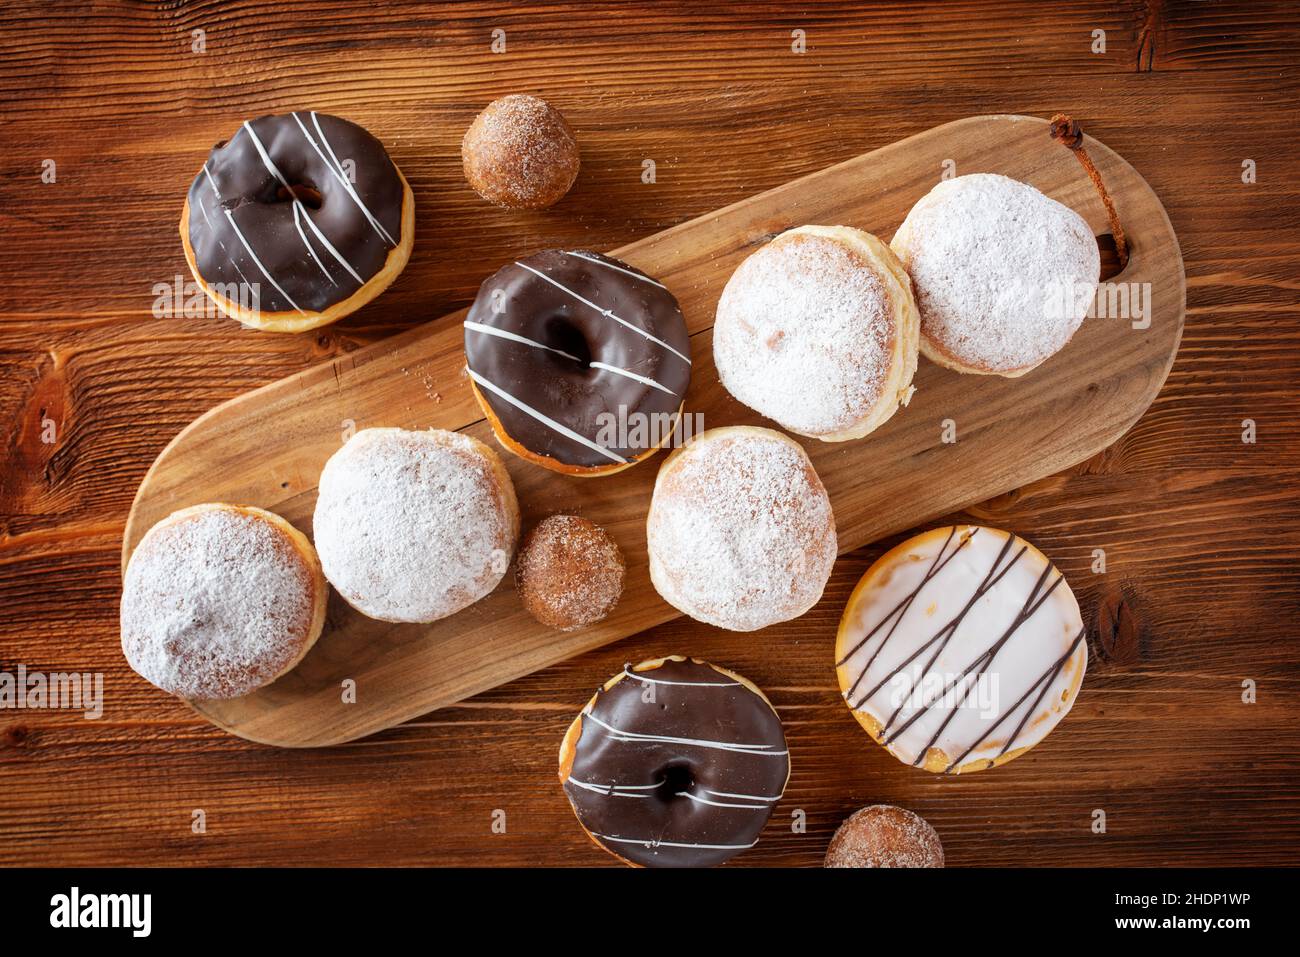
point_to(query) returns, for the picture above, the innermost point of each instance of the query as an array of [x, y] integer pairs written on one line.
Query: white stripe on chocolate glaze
[[330, 246], [339, 175], [253, 256], [513, 337], [252, 286], [374, 221], [212, 182], [617, 790], [747, 797], [206, 219], [607, 313], [266, 158], [653, 843], [217, 193], [298, 207], [640, 676], [619, 734], [644, 380], [609, 265], [544, 419], [311, 252], [336, 168], [700, 800]]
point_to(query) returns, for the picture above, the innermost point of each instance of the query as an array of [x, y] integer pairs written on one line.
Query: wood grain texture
[[266, 448], [1200, 529]]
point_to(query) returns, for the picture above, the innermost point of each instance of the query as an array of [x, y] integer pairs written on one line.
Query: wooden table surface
[[1200, 529]]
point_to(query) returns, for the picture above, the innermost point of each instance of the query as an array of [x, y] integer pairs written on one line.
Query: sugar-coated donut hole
[[560, 332]]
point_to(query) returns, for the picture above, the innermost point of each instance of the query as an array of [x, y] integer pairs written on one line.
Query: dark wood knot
[[1117, 627]]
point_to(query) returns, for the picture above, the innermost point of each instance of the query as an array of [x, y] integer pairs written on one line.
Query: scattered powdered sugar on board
[[412, 526], [804, 334], [1002, 274], [740, 532], [215, 604]]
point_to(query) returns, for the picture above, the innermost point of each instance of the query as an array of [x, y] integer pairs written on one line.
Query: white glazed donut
[[740, 532], [818, 331], [1003, 275], [219, 600], [415, 526], [961, 649]]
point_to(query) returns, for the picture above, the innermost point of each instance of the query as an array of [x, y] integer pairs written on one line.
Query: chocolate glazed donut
[[563, 345], [277, 208], [675, 763]]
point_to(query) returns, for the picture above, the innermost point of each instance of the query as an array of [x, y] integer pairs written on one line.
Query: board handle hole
[[1110, 264]]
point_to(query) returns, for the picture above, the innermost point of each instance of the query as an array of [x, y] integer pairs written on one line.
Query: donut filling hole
[[560, 333], [305, 193], [677, 779]]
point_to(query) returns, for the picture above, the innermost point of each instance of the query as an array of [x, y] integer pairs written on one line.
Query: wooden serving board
[[267, 447]]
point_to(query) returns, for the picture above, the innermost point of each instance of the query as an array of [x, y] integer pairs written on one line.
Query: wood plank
[[1200, 529]]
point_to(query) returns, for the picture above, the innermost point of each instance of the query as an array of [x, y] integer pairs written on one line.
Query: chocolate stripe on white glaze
[[948, 630], [1045, 680], [1014, 638], [980, 662], [900, 610]]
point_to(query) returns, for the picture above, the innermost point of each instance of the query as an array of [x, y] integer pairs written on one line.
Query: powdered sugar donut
[[740, 532], [1003, 275], [415, 526], [818, 331], [219, 600]]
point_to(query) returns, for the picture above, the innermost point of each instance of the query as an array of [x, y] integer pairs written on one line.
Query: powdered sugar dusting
[[413, 526], [215, 604], [885, 836], [992, 262], [740, 531], [804, 334]]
